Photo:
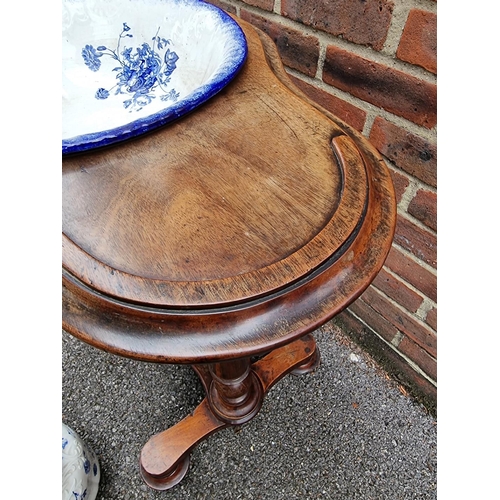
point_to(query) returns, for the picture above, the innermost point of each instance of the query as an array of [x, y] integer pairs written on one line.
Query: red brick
[[297, 51], [423, 207], [397, 291], [365, 23], [391, 360], [262, 4], [402, 320], [407, 151], [353, 116], [413, 273], [374, 320], [418, 44], [419, 242], [223, 5], [401, 182], [390, 89], [431, 318], [419, 356]]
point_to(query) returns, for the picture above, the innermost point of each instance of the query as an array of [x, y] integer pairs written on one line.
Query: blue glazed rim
[[226, 73]]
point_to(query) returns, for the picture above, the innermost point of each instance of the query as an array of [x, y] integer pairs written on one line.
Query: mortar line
[[424, 308], [411, 363], [409, 126], [400, 307], [357, 49], [409, 285], [423, 264]]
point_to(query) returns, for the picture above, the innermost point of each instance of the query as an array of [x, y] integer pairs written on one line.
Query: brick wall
[[373, 64]]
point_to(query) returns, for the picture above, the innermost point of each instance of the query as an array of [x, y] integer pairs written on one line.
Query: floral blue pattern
[[80, 468], [140, 73], [214, 49]]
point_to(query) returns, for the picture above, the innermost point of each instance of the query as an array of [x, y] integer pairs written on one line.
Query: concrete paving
[[346, 431]]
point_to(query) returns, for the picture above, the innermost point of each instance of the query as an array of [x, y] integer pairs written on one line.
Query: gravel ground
[[344, 432]]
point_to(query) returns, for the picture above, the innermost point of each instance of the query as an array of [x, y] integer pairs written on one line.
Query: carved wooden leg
[[288, 359], [235, 390], [165, 457]]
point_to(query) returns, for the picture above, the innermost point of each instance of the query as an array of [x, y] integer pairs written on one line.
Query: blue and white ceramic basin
[[80, 467], [130, 66]]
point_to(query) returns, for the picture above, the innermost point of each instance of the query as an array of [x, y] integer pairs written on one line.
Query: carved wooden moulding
[[228, 235]]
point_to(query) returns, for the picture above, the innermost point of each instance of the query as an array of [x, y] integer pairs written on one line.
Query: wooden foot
[[308, 366], [165, 457], [235, 391], [169, 479]]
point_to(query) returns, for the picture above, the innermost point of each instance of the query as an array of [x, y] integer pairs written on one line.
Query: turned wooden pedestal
[[222, 241]]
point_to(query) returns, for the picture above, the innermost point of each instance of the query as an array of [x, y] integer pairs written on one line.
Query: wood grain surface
[[234, 230], [243, 196]]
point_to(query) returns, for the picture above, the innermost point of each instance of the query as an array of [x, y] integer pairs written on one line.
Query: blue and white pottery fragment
[[130, 66], [80, 468]]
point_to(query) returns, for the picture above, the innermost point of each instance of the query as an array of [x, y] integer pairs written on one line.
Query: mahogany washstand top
[[231, 232]]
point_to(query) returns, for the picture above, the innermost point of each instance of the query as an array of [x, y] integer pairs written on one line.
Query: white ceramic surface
[[130, 66], [80, 468]]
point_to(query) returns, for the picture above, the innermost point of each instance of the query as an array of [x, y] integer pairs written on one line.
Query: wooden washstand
[[222, 241]]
